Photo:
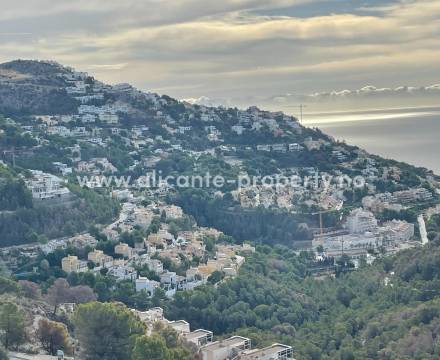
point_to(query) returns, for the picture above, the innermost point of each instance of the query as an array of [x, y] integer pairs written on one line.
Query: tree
[[53, 336], [81, 294], [30, 289], [106, 330], [60, 292], [102, 290], [209, 243], [12, 325], [163, 216], [151, 348], [215, 277], [344, 295], [73, 278], [3, 354], [44, 265], [7, 285], [170, 335], [43, 239]]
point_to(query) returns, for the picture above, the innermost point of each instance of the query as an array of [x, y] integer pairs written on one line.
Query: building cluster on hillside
[[160, 245], [363, 234], [31, 252], [95, 166], [397, 200], [280, 147], [128, 259], [235, 347], [290, 191], [225, 260], [101, 108], [132, 215], [105, 115], [266, 196]]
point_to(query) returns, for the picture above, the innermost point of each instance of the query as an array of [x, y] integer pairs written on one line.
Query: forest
[[386, 311], [32, 222], [262, 225]]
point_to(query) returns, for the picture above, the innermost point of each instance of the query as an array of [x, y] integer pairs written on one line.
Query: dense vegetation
[[111, 331], [390, 310], [13, 192], [31, 223], [387, 311], [260, 224]]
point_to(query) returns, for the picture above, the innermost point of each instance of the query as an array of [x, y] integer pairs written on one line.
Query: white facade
[[123, 272], [397, 231], [143, 283], [46, 186], [360, 221], [225, 349], [238, 129], [109, 118]]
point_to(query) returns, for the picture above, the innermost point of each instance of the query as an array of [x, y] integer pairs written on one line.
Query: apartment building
[[100, 259], [199, 337], [360, 221], [124, 250], [73, 264], [397, 231], [412, 195], [46, 186], [225, 349]]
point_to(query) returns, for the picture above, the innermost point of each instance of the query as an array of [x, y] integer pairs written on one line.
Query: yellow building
[[124, 250], [95, 256], [70, 264]]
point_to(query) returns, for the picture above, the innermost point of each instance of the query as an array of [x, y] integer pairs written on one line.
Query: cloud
[[107, 66], [372, 91], [232, 49], [202, 100], [366, 97]]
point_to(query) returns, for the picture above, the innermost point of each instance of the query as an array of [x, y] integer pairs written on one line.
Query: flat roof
[[197, 333], [232, 341], [176, 322], [270, 350]]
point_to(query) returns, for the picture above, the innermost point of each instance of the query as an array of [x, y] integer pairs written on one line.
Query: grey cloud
[[367, 93], [235, 50]]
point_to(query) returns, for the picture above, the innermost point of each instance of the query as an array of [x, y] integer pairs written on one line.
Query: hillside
[[131, 211], [137, 132], [32, 87], [386, 311]]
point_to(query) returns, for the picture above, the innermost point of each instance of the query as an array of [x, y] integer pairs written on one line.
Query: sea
[[411, 135]]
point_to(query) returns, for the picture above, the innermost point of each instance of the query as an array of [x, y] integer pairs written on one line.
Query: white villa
[[46, 186]]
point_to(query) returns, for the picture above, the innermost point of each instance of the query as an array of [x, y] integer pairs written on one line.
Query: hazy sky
[[268, 52]]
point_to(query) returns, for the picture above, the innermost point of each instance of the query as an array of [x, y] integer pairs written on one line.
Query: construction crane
[[337, 208], [320, 217]]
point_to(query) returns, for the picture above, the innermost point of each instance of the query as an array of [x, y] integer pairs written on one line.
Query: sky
[[328, 54]]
